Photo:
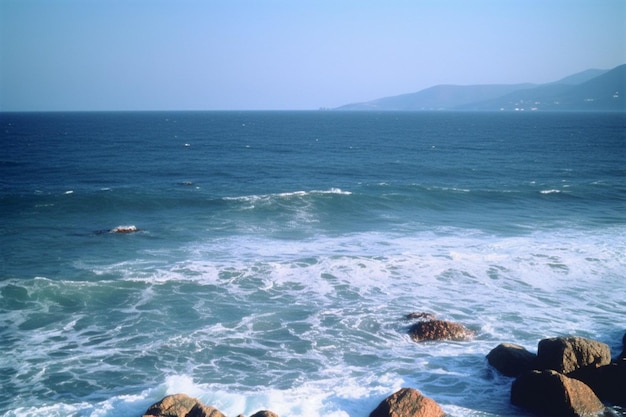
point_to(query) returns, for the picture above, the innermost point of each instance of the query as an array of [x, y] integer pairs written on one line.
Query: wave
[[305, 328], [287, 195], [308, 400]]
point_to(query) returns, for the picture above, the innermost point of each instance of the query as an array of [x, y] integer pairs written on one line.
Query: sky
[[92, 55]]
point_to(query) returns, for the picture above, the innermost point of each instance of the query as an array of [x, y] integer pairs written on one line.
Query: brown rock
[[407, 402], [264, 413], [510, 359], [181, 405], [420, 315], [567, 354], [439, 330], [608, 382], [550, 393]]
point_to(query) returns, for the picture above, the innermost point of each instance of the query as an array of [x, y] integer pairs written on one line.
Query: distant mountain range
[[590, 90]]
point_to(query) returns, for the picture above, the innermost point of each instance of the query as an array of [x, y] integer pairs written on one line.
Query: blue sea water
[[278, 252]]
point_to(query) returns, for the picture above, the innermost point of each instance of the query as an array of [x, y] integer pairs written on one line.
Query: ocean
[[277, 253]]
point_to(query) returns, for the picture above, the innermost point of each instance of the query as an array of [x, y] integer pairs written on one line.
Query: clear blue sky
[[288, 54]]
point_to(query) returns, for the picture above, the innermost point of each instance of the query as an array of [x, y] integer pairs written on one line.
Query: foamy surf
[[278, 275]]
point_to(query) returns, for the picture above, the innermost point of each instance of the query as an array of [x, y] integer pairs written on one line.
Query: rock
[[125, 229], [608, 382], [264, 413], [567, 354], [407, 402], [420, 315], [439, 330], [623, 354], [181, 405], [510, 359], [612, 387], [550, 393]]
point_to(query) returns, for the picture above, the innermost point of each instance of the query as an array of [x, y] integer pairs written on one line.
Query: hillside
[[591, 90]]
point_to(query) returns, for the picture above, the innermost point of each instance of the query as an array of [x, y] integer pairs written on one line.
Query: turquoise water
[[278, 252]]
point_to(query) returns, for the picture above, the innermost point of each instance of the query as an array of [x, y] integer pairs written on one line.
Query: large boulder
[[181, 405], [510, 359], [550, 393], [439, 330], [407, 402], [608, 381], [567, 354]]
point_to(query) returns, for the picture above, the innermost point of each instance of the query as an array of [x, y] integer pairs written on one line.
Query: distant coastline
[[590, 90]]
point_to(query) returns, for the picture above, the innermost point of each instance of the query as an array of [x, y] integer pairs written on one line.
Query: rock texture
[[567, 354], [511, 360], [407, 402], [181, 405], [439, 330], [566, 370], [608, 381], [420, 315], [264, 413], [550, 393]]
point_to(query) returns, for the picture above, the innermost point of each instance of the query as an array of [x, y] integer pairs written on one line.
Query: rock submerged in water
[[125, 229], [431, 330], [511, 360], [407, 402], [551, 393], [571, 373], [420, 315]]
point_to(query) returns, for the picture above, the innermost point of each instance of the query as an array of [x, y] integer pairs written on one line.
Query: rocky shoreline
[[568, 376]]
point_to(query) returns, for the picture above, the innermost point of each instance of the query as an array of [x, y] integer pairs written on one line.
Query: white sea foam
[[314, 327], [253, 198]]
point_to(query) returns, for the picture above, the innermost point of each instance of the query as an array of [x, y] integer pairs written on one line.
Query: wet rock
[[567, 354], [264, 413], [420, 315], [407, 402], [623, 354], [125, 229], [551, 393], [181, 405], [511, 360], [439, 330], [608, 381]]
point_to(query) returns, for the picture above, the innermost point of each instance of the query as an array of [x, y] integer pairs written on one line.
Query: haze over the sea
[[252, 55]]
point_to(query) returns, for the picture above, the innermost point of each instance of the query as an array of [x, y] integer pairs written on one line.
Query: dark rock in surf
[[439, 330], [407, 402], [420, 316], [567, 354], [181, 405], [551, 393], [608, 381], [511, 360], [125, 229]]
